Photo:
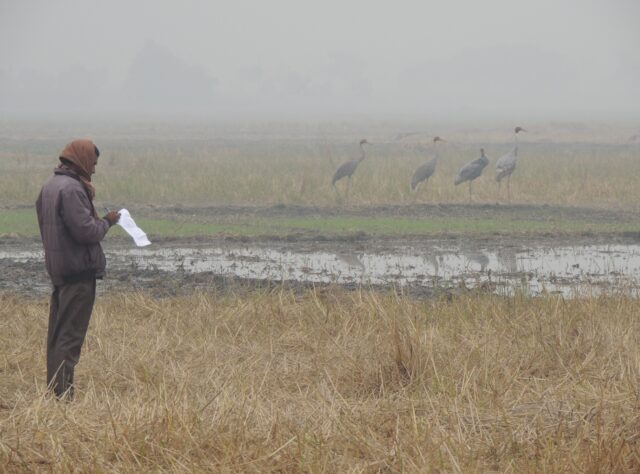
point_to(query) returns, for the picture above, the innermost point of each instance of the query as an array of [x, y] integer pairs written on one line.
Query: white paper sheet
[[129, 225]]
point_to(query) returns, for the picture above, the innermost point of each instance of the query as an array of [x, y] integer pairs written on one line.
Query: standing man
[[71, 232]]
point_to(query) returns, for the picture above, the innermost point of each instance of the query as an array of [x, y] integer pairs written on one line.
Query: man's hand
[[113, 217]]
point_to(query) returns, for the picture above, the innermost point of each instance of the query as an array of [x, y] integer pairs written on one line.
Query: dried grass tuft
[[329, 381]]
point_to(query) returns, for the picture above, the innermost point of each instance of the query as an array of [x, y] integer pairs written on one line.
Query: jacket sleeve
[[77, 217]]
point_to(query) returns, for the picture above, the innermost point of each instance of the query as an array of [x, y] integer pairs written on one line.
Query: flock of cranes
[[505, 166]]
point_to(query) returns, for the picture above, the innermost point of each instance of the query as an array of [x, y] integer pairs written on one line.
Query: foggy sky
[[300, 59]]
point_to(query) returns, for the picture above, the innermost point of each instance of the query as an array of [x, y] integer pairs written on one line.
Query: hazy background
[[286, 59]]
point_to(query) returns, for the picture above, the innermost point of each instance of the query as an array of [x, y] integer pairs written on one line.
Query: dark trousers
[[69, 315]]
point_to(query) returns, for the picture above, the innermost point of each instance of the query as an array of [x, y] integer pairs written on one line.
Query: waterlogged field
[[278, 325]]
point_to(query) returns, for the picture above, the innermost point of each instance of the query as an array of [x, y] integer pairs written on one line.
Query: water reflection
[[565, 270]]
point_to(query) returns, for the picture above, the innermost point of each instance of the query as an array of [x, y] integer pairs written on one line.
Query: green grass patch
[[20, 222], [23, 222]]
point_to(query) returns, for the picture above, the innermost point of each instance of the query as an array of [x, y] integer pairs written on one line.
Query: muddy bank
[[421, 210], [422, 266]]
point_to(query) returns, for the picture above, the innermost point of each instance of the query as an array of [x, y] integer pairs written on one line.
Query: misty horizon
[[424, 60]]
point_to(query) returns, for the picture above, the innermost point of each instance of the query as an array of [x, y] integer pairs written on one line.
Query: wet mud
[[418, 210], [569, 266]]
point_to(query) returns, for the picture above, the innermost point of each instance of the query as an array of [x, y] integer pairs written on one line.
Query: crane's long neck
[[436, 155], [515, 144], [362, 153]]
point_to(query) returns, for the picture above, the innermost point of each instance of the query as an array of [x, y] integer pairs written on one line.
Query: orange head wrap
[[82, 155]]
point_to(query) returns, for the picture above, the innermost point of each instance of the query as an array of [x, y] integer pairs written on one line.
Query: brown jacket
[[70, 233]]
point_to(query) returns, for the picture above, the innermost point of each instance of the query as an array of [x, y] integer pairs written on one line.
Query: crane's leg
[[414, 194], [428, 192], [509, 189], [337, 192], [348, 186], [470, 190]]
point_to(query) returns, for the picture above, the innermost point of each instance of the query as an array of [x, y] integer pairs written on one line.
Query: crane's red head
[[437, 139], [363, 141], [520, 129]]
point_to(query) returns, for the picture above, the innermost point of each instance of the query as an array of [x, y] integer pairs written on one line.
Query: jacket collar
[[66, 172]]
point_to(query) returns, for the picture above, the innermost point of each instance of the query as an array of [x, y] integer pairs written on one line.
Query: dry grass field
[[587, 167], [329, 381]]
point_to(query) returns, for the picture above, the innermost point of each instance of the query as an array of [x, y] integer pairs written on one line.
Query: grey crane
[[506, 164], [472, 170], [426, 170], [347, 168]]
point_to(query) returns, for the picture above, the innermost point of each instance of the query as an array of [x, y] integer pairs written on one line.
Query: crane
[[426, 170], [347, 168], [506, 164], [472, 170]]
